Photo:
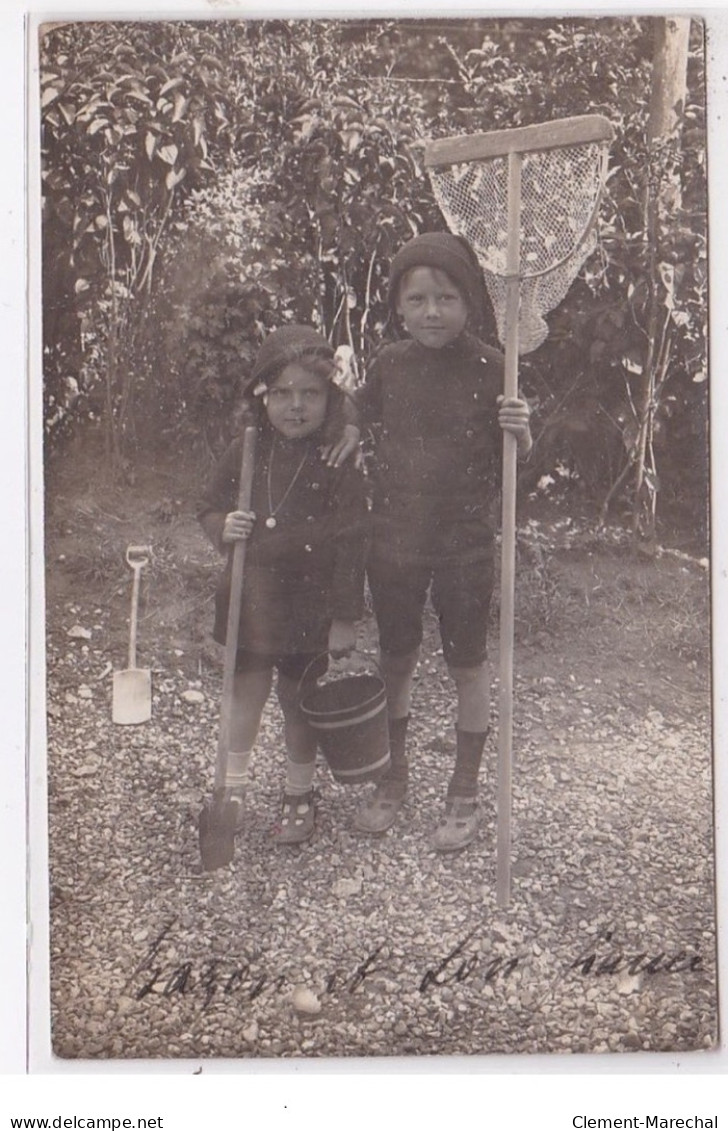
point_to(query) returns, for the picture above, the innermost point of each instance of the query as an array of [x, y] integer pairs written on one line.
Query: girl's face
[[434, 311], [296, 402]]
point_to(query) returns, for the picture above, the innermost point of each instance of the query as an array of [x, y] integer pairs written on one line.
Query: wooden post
[[661, 199]]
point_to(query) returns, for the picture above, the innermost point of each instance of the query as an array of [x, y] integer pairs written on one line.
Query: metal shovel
[[217, 820], [132, 693]]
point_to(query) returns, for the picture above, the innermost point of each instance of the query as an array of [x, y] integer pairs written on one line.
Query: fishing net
[[560, 194]]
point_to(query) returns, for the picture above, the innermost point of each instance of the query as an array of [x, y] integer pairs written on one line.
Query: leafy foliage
[[204, 182], [129, 112]]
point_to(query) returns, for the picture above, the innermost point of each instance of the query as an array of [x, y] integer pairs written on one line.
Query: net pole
[[508, 542]]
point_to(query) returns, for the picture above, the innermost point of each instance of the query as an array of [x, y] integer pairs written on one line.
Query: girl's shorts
[[292, 666], [460, 593]]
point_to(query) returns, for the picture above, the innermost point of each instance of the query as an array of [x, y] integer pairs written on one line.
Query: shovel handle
[[134, 617], [245, 489], [136, 557]]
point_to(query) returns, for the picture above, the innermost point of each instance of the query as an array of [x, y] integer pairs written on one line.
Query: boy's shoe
[[297, 819], [459, 825], [379, 811]]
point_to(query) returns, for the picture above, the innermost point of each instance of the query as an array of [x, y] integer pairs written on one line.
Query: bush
[[206, 182]]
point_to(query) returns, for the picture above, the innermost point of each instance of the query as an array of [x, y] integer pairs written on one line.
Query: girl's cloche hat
[[282, 347]]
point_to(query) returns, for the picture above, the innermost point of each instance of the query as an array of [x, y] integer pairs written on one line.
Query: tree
[[663, 202]]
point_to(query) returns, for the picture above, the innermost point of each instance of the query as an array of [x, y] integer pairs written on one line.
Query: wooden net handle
[[581, 130], [508, 544]]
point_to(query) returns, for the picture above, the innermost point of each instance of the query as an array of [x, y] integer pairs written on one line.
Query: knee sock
[[236, 776], [469, 755], [299, 777], [398, 769]]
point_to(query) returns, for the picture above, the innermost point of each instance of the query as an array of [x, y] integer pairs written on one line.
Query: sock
[[299, 777], [398, 768], [238, 767], [469, 755]]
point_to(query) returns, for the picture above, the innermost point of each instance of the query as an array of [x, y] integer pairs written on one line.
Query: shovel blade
[[132, 697], [217, 832]]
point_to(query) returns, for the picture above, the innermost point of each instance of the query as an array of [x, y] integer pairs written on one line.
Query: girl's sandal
[[459, 825], [297, 819]]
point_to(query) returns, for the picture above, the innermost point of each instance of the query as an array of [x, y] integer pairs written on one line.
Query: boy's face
[[296, 402], [432, 307]]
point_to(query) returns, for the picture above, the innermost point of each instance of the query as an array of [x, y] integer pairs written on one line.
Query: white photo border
[[22, 571]]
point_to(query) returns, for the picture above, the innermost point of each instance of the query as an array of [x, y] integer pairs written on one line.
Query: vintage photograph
[[377, 538]]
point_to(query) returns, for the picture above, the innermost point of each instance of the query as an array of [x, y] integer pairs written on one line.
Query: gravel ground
[[353, 947]]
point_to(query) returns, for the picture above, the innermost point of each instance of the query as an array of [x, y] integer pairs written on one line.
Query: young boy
[[434, 406], [307, 533]]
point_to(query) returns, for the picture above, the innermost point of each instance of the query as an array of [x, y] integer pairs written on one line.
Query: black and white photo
[[450, 278]]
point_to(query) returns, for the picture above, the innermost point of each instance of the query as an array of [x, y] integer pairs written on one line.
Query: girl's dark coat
[[308, 569]]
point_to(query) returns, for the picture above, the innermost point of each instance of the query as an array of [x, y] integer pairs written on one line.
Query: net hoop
[[561, 192]]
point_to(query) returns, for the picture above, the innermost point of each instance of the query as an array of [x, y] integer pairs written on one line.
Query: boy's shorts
[[460, 592], [292, 666]]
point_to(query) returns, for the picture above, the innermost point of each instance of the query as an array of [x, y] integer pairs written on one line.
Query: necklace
[[271, 522]]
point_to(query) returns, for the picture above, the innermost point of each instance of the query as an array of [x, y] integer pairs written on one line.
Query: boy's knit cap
[[283, 346], [448, 253]]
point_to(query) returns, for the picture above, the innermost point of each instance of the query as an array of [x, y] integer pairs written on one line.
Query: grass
[[602, 586]]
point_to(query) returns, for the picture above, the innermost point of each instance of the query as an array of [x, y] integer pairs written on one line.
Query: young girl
[[433, 404], [306, 534]]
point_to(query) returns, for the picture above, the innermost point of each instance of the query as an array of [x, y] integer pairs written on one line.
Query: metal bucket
[[349, 715]]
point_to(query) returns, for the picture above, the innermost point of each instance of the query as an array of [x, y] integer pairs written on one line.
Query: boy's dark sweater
[[434, 417], [308, 569]]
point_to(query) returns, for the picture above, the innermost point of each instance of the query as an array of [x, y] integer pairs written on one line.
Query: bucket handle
[[371, 659]]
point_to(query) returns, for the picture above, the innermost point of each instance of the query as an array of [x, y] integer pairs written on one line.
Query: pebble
[[86, 771], [193, 696], [346, 887], [627, 984], [305, 1001]]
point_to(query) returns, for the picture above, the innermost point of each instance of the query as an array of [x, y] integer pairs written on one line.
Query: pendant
[[270, 522]]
